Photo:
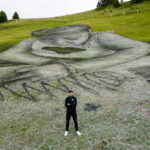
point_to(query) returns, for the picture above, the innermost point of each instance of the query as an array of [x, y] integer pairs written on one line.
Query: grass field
[[129, 20], [118, 124], [113, 105]]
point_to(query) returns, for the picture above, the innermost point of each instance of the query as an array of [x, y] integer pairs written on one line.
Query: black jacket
[[72, 100]]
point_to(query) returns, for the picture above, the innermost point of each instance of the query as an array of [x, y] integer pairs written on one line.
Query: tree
[[3, 17], [103, 3], [15, 15], [136, 1], [116, 3]]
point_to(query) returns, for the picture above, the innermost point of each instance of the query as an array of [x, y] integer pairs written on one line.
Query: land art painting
[[73, 57], [110, 77]]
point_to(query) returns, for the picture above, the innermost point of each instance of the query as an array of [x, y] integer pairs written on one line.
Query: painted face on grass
[[74, 35], [68, 54]]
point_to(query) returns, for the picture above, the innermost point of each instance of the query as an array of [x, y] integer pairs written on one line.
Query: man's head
[[70, 92]]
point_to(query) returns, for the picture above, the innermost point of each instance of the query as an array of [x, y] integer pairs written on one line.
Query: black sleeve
[[76, 102], [66, 102]]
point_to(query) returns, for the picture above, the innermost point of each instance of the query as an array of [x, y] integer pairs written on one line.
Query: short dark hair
[[70, 91]]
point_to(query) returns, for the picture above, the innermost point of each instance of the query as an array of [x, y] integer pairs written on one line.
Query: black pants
[[68, 116]]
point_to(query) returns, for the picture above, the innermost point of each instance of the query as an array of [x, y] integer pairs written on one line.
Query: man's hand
[[68, 104]]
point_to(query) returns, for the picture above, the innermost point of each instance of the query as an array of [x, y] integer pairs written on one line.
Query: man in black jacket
[[70, 104]]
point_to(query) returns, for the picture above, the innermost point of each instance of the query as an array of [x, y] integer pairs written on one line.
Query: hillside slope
[[109, 74], [129, 20]]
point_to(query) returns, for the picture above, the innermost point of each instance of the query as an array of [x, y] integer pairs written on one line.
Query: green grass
[[124, 21], [119, 124]]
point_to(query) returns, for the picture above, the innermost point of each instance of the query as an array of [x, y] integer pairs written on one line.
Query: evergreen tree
[[116, 3], [3, 17], [15, 15], [103, 3], [136, 1]]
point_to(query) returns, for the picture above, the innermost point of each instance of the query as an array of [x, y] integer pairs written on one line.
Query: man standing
[[70, 104]]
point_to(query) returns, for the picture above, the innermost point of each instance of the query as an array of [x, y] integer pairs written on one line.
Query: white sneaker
[[78, 133], [66, 133]]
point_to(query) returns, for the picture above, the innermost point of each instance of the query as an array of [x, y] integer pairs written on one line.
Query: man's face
[[70, 93]]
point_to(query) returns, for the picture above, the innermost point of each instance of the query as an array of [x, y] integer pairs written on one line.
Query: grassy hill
[[130, 20], [113, 98]]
